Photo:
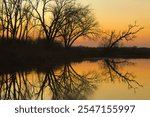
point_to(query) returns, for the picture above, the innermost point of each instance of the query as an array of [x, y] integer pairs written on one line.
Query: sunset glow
[[118, 14]]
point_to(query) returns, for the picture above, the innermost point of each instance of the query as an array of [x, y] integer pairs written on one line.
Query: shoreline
[[23, 57]]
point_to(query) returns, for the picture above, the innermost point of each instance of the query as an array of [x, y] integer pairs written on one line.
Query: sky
[[117, 15]]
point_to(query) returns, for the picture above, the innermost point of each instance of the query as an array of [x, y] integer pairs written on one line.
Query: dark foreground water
[[93, 79]]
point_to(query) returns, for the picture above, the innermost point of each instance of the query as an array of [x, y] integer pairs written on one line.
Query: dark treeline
[[38, 32], [64, 21], [32, 55]]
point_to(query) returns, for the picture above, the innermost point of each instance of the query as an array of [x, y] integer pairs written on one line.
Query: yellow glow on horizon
[[118, 14]]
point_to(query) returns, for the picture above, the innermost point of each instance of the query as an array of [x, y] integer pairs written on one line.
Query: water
[[127, 79]]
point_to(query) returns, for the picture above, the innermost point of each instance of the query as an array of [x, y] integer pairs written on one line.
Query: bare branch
[[113, 39]]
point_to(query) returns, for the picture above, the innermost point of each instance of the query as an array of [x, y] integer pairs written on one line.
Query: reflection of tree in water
[[16, 86], [112, 72], [67, 84], [64, 83]]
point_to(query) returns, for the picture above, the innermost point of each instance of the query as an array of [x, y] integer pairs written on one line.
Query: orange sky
[[117, 14]]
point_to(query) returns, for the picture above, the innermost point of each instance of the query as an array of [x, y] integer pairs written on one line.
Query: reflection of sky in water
[[119, 90], [85, 80]]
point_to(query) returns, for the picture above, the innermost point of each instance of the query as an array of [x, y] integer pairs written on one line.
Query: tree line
[[55, 20], [64, 20]]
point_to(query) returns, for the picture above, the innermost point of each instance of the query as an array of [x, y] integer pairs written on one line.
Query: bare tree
[[1, 20], [113, 39], [50, 16], [15, 17], [79, 22], [64, 19]]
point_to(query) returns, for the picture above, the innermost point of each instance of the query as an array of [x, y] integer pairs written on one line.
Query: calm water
[[94, 79]]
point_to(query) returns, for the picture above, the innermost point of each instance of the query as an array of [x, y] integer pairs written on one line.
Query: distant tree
[[113, 39]]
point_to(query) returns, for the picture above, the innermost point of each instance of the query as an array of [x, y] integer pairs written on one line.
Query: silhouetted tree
[[48, 16], [15, 18], [79, 23], [113, 39], [2, 28], [64, 19]]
